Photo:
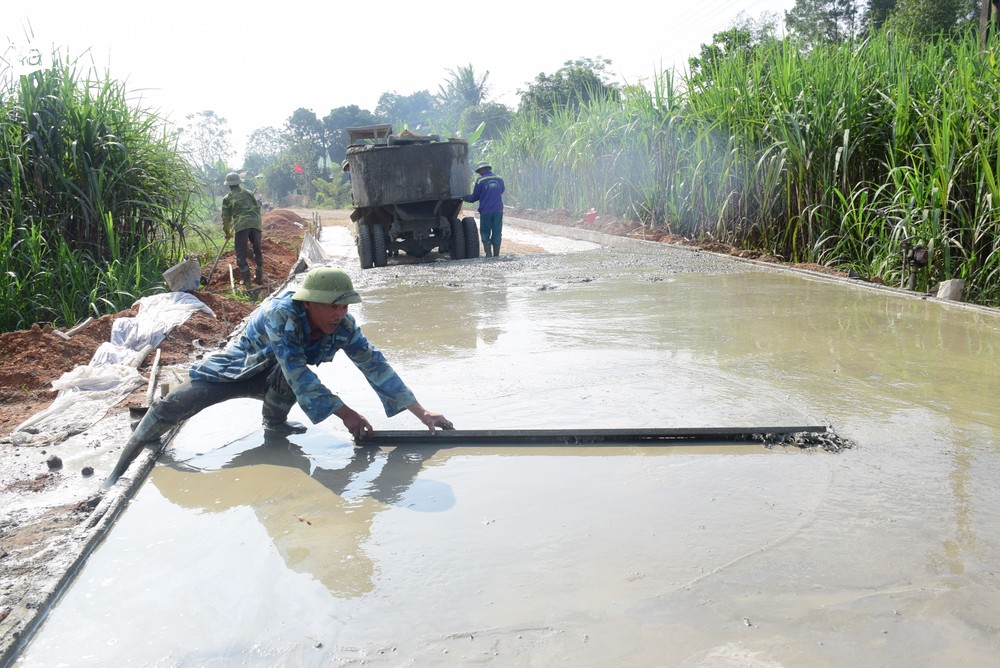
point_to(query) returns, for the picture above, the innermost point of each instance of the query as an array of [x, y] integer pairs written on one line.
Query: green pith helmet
[[327, 285], [483, 165], [233, 179]]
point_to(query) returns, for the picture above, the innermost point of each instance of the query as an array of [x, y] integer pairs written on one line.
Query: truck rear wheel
[[471, 237], [457, 240], [380, 253], [365, 250]]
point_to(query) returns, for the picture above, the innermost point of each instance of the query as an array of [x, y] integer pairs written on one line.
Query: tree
[[335, 125], [205, 140], [263, 146], [415, 111], [305, 129], [283, 176], [303, 125], [574, 84], [816, 22], [743, 37], [924, 19], [877, 14], [494, 118], [463, 89]]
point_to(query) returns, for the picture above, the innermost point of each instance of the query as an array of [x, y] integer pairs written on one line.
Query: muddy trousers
[[193, 396], [490, 231], [245, 239]]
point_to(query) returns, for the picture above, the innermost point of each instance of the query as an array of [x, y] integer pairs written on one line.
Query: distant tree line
[[304, 155]]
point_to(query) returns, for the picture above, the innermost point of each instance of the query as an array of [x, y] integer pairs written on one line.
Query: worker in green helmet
[[270, 361], [241, 215]]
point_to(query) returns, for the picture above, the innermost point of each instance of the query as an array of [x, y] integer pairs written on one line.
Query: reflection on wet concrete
[[300, 500]]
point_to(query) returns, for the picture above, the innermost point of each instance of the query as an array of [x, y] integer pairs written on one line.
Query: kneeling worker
[[269, 362]]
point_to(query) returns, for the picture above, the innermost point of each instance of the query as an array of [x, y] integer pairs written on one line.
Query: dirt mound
[[282, 225], [31, 359], [283, 218], [279, 257]]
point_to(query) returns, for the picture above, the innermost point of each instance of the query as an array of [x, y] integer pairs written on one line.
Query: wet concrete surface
[[308, 551]]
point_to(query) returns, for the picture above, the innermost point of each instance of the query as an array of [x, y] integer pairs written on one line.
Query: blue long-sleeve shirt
[[488, 191], [280, 332]]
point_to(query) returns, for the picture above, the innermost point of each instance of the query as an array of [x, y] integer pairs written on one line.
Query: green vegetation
[[866, 131], [94, 197], [834, 155]]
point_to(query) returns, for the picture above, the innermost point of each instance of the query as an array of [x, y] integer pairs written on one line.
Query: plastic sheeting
[[158, 314], [312, 252], [87, 392]]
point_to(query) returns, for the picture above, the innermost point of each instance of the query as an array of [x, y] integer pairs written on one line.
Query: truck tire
[[457, 240], [380, 253], [365, 250], [471, 237]]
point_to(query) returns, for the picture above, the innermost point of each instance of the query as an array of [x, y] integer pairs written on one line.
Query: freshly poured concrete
[[308, 551]]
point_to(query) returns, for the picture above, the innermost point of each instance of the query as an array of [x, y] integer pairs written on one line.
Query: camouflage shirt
[[241, 210], [279, 332]]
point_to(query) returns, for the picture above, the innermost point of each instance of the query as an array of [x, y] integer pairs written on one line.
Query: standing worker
[[488, 191], [241, 213], [270, 361]]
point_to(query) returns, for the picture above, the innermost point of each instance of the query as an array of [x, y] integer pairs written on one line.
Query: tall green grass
[[836, 155], [94, 196]]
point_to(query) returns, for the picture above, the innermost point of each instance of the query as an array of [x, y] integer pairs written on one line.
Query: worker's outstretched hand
[[432, 420], [355, 422]]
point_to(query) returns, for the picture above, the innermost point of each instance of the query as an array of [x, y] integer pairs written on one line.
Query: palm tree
[[462, 89]]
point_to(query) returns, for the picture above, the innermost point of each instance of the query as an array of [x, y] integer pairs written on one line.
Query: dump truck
[[407, 192]]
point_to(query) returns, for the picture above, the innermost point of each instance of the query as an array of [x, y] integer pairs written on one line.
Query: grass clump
[[94, 196], [839, 155]]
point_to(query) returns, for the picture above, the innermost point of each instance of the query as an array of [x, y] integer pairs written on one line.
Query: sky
[[254, 64]]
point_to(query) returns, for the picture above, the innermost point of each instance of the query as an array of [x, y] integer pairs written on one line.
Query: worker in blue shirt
[[488, 191], [271, 361]]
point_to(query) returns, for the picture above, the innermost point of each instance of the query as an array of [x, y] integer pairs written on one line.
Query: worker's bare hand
[[436, 421], [355, 422], [432, 420]]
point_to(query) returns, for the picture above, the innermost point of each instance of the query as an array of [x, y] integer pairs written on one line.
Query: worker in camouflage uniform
[[488, 191], [241, 214], [270, 361]]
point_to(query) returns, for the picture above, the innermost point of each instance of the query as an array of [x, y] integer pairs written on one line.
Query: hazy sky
[[254, 67]]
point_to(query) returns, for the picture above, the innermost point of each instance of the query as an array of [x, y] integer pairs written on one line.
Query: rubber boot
[[260, 274], [148, 432], [284, 427], [496, 250], [246, 277], [278, 401], [487, 252]]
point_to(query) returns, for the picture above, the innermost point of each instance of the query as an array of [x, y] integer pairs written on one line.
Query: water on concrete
[[308, 551]]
